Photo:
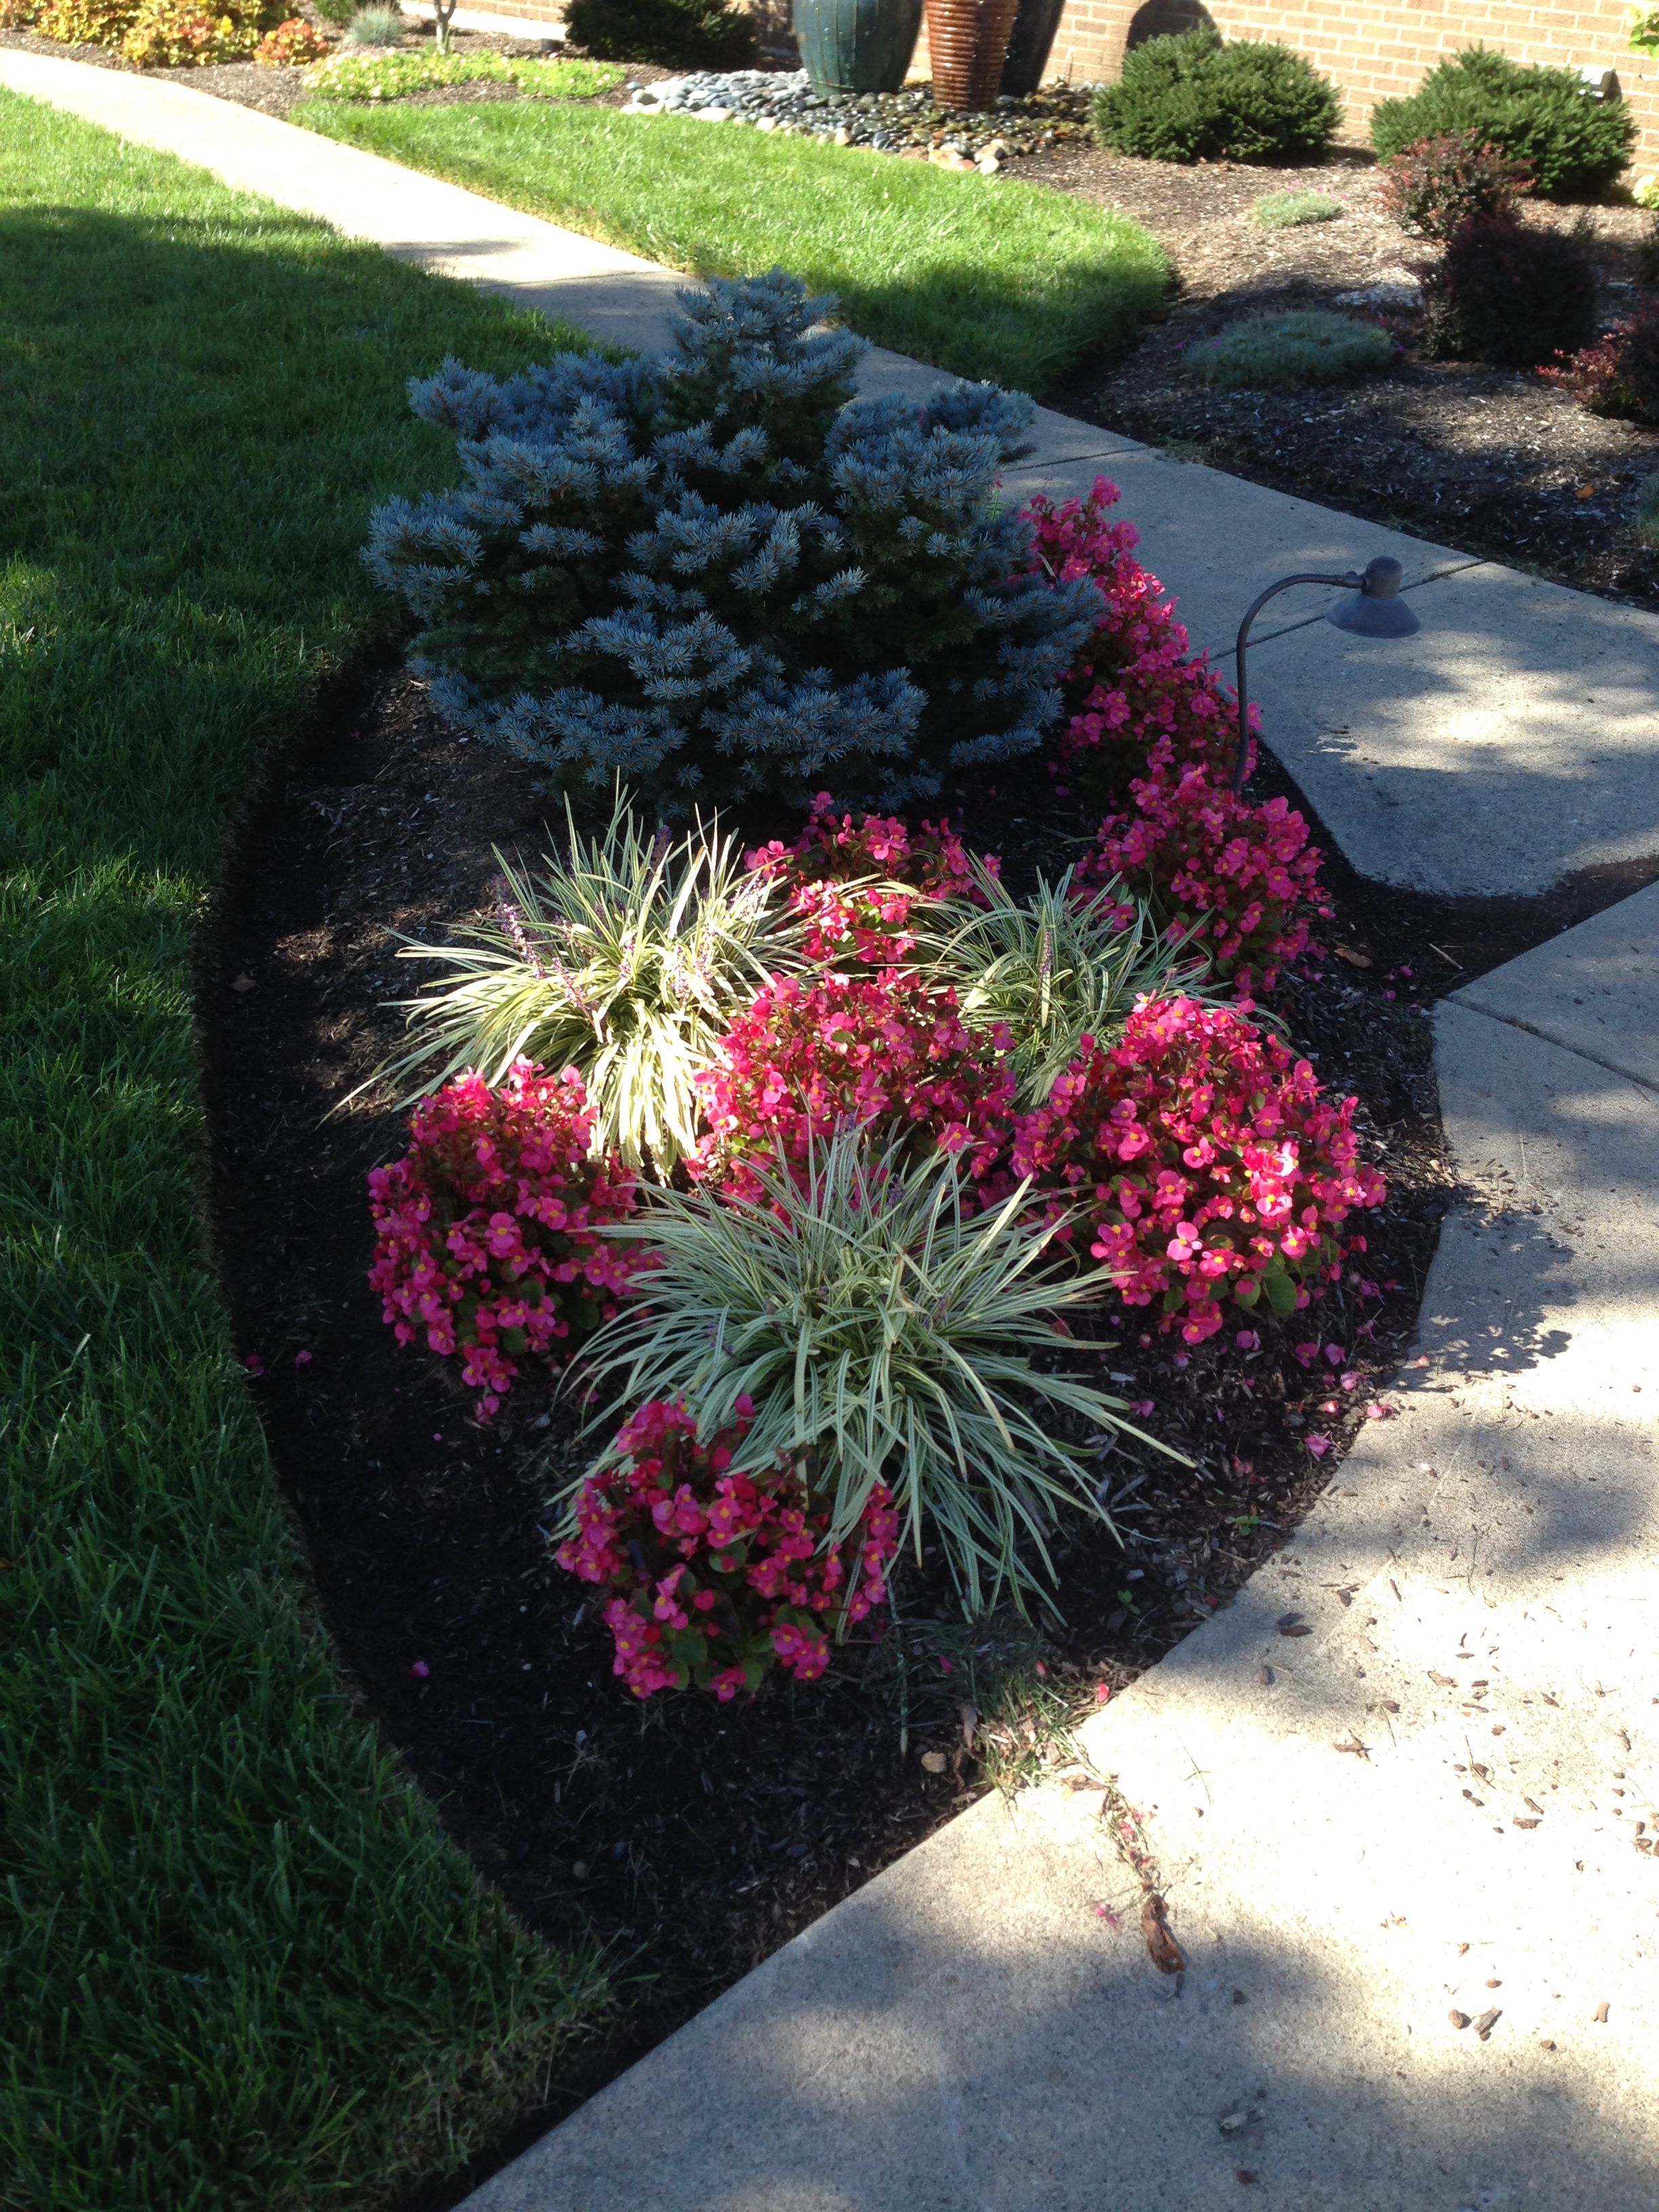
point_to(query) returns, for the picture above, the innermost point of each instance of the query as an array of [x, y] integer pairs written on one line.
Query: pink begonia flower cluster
[[884, 1051], [1236, 875], [717, 1576], [1152, 735], [491, 1228], [1210, 1166], [867, 926]]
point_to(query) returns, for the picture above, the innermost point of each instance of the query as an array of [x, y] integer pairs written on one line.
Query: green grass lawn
[[241, 1968], [984, 276]]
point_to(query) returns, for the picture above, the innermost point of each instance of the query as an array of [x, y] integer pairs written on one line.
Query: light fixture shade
[[1369, 617]]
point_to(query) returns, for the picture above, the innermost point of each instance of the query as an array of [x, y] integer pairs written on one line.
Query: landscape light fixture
[[1373, 608]]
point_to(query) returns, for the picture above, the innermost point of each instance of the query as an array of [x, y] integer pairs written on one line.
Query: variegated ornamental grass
[[625, 958], [882, 1333]]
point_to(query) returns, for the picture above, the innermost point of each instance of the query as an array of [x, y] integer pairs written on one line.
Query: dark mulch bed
[[1487, 460], [698, 1837]]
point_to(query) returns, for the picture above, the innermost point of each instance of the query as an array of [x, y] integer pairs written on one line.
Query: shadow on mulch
[[697, 1837]]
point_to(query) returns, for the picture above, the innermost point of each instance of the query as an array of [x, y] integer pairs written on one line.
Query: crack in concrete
[[1561, 1044]]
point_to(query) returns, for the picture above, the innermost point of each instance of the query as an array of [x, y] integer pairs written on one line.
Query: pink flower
[[420, 1670], [1259, 1216], [491, 1231], [717, 1572], [1319, 1445]]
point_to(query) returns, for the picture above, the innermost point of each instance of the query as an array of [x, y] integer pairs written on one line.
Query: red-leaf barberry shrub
[[1135, 683], [491, 1228], [1505, 292], [717, 1578], [1619, 374], [1431, 187], [1232, 876], [1209, 1162], [865, 925], [885, 1051]]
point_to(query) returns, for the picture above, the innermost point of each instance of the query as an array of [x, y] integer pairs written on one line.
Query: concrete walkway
[[1514, 741], [1442, 1800]]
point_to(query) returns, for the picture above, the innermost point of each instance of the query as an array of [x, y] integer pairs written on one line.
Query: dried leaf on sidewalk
[[1487, 2021], [1165, 1953], [1353, 1744]]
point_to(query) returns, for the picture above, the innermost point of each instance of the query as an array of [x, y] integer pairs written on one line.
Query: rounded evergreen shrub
[[1507, 293], [1273, 352], [1188, 98], [713, 572], [1574, 143], [673, 33]]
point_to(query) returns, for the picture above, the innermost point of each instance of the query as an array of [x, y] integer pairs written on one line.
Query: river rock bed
[[904, 122]]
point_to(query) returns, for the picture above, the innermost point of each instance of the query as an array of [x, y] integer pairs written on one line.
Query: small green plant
[[1646, 512], [881, 1334], [1054, 967], [375, 27], [624, 961], [338, 12], [674, 33], [1574, 143], [1187, 97], [1274, 353], [1290, 210], [1508, 293], [388, 77]]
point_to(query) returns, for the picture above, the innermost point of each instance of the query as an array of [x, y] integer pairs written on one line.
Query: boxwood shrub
[[1188, 98], [1575, 143]]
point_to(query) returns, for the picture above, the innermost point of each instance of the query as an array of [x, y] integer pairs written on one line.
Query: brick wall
[[1373, 50]]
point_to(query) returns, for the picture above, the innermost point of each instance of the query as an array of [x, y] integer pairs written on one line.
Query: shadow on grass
[[244, 1969]]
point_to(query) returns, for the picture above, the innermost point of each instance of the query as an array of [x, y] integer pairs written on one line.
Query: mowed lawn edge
[[241, 1965], [982, 276]]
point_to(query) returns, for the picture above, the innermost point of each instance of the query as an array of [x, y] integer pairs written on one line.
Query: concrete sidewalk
[[1514, 741], [1441, 1801]]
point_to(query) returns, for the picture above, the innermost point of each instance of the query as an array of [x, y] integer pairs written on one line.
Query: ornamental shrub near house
[[1505, 293], [676, 34], [719, 1575], [1433, 186], [714, 574], [1213, 1168], [1619, 374], [1187, 97], [491, 1232], [1574, 143]]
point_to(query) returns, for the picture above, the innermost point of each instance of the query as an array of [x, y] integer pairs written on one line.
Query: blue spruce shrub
[[713, 572]]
